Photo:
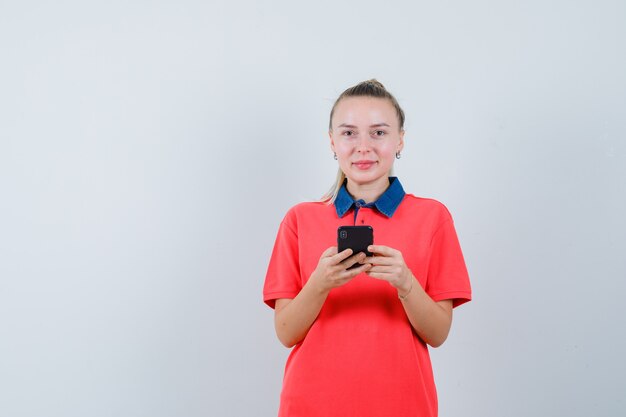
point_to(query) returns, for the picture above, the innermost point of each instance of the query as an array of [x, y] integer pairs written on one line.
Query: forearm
[[430, 319], [293, 318]]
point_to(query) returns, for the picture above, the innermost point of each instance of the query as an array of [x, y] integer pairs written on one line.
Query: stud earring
[[398, 156], [335, 156]]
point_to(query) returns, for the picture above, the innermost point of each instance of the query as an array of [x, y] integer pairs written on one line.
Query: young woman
[[360, 335]]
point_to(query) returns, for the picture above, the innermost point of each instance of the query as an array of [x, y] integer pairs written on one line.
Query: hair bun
[[376, 83]]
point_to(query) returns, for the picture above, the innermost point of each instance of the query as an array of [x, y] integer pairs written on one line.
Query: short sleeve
[[283, 273], [447, 274]]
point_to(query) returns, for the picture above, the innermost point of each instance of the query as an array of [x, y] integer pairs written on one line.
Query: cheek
[[387, 150], [344, 148]]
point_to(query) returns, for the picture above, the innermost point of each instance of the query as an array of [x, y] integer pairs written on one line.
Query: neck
[[368, 192]]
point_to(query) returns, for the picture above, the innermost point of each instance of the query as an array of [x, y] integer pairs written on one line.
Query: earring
[[398, 156], [335, 156]]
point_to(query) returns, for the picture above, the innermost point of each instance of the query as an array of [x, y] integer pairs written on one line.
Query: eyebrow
[[374, 125]]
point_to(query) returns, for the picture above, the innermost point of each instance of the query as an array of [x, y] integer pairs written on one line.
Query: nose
[[363, 145]]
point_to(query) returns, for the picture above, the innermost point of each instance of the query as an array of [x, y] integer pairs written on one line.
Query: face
[[365, 136]]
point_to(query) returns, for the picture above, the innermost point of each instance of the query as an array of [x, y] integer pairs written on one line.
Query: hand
[[388, 265], [331, 270]]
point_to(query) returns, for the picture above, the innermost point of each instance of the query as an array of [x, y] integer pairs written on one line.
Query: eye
[[379, 133], [348, 133]]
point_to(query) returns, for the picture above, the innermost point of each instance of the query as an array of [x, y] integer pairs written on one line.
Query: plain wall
[[149, 150]]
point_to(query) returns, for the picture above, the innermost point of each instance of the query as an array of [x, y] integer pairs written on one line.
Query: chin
[[365, 178]]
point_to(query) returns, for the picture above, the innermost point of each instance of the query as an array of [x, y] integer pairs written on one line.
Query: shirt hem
[[271, 297], [458, 297]]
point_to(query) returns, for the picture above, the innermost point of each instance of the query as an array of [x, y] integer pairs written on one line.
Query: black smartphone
[[357, 238]]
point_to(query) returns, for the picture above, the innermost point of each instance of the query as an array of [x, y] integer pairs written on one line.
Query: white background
[[149, 150]]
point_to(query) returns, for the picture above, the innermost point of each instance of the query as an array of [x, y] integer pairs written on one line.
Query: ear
[[401, 141], [332, 141]]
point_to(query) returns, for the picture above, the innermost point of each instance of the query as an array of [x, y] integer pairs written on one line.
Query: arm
[[294, 317], [431, 320]]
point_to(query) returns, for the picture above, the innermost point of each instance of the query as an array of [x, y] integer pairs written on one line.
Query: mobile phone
[[357, 238]]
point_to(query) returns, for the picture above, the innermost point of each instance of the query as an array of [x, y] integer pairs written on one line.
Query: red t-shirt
[[361, 357]]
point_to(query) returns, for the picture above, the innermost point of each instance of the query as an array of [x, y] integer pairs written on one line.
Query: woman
[[360, 335]]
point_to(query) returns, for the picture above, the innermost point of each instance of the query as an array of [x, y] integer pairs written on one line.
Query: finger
[[351, 273], [339, 257], [330, 252], [342, 276], [387, 269], [379, 260], [381, 250], [358, 258], [383, 271], [380, 275]]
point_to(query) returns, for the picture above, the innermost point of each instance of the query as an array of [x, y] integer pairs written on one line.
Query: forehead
[[365, 110]]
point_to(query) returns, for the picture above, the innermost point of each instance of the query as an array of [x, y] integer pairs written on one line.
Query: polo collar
[[387, 203]]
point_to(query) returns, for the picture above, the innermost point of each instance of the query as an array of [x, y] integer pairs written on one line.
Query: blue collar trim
[[387, 203]]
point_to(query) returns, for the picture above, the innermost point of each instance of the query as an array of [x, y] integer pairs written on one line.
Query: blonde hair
[[369, 88]]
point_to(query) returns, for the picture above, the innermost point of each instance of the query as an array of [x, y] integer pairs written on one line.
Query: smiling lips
[[364, 164]]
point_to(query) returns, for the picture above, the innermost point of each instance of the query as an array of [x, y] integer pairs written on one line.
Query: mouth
[[364, 165]]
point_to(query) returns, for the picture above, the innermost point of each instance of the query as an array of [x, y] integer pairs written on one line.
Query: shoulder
[[425, 211], [427, 204], [304, 212], [303, 209]]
